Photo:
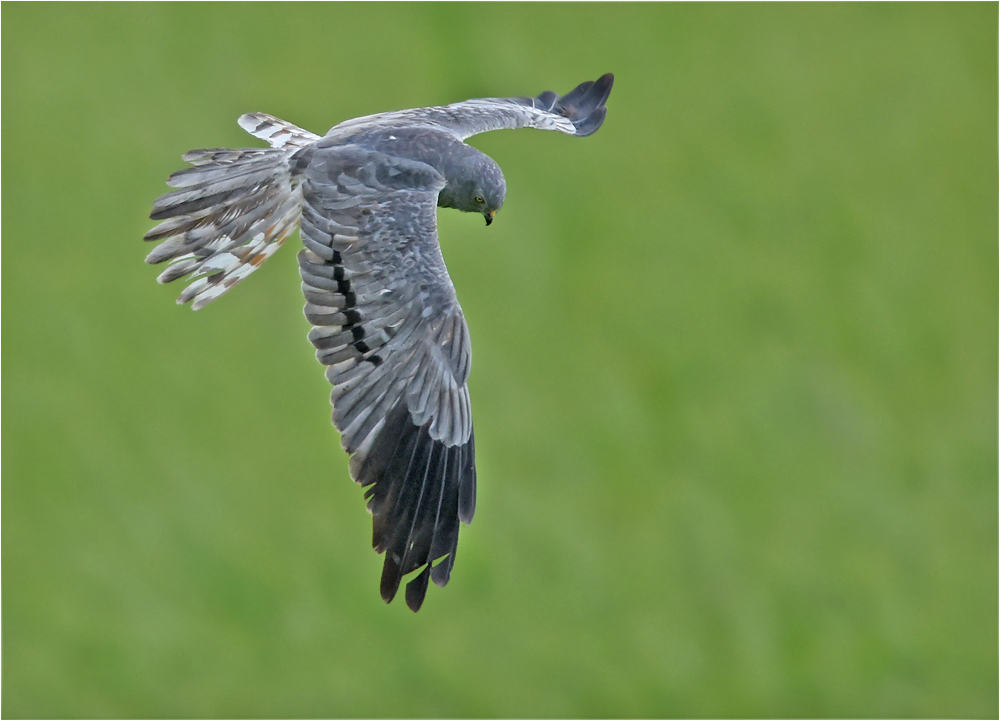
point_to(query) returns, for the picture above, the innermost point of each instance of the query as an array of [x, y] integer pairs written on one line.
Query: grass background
[[735, 373]]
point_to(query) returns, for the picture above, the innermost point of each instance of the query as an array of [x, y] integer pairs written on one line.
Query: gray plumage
[[387, 324]]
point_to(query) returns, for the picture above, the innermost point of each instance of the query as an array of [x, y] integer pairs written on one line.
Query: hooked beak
[[489, 216]]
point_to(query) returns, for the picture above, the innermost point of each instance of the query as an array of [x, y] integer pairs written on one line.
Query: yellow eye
[[479, 200]]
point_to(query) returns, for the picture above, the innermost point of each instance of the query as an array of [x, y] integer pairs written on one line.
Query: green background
[[735, 375]]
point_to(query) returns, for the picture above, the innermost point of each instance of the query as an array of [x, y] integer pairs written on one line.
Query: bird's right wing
[[579, 112], [389, 328]]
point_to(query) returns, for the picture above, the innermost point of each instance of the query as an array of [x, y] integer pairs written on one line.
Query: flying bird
[[385, 318]]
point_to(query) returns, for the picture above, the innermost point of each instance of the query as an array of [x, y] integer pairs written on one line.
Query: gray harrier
[[386, 322]]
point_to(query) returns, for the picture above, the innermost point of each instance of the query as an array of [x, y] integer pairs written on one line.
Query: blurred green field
[[735, 375]]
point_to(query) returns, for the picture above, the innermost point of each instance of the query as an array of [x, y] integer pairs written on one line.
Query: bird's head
[[490, 191], [475, 185]]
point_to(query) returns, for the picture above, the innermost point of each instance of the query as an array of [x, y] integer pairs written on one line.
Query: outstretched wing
[[389, 328], [579, 112]]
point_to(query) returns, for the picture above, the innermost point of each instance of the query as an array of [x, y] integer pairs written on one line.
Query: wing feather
[[580, 112], [387, 324]]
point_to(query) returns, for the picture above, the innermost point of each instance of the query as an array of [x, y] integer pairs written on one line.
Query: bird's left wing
[[389, 328], [580, 112]]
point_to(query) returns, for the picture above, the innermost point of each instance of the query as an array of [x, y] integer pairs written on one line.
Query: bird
[[386, 322]]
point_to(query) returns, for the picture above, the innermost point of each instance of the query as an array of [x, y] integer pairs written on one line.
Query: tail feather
[[277, 132], [230, 212], [221, 156], [232, 181], [190, 180]]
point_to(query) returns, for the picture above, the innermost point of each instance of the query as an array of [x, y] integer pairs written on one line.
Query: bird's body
[[386, 320]]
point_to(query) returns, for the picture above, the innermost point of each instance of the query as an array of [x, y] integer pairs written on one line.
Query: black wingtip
[[603, 86], [417, 589], [441, 573], [584, 105], [467, 484], [391, 577], [418, 490]]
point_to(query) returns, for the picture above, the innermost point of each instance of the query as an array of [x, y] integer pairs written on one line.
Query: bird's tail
[[230, 212]]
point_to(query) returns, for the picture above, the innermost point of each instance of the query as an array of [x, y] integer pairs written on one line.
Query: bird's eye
[[478, 199]]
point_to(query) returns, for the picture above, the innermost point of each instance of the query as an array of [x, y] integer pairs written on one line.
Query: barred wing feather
[[389, 328]]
